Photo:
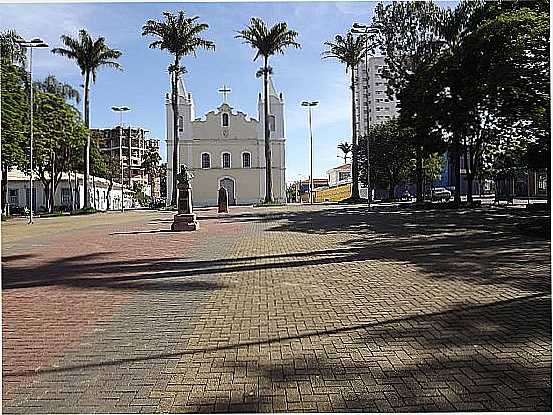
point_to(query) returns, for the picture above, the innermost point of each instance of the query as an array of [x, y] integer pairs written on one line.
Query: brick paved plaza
[[286, 309]]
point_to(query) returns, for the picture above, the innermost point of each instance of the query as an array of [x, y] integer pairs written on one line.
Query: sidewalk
[[298, 309]]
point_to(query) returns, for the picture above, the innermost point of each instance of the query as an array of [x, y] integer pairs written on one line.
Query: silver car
[[440, 193]]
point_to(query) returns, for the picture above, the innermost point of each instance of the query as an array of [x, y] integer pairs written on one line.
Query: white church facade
[[226, 148]]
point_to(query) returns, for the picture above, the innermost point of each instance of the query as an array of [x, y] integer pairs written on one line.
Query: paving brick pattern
[[297, 310]]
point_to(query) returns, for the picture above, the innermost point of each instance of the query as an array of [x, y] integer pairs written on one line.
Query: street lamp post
[[365, 30], [121, 110], [31, 44], [309, 105]]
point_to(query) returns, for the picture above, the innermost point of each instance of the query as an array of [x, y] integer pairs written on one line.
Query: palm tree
[[150, 164], [346, 149], [90, 55], [350, 51], [180, 36], [267, 42], [52, 86]]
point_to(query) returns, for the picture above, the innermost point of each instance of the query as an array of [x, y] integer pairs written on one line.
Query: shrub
[[51, 215], [84, 211]]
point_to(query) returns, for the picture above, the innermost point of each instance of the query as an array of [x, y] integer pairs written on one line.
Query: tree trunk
[[94, 191], [354, 155], [420, 192], [457, 164], [468, 174], [174, 103], [391, 188], [268, 161], [109, 193], [548, 184], [87, 144], [70, 190], [53, 187], [5, 192]]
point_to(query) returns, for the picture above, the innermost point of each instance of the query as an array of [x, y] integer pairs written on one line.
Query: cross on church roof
[[224, 91]]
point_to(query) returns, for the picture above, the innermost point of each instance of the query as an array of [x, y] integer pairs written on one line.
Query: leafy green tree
[[350, 50], [11, 50], [268, 42], [90, 55], [408, 35], [63, 90], [150, 164], [180, 36], [391, 152], [14, 127], [59, 134], [14, 107], [514, 69], [433, 166], [163, 180]]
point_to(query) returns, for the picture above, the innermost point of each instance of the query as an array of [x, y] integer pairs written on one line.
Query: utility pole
[[309, 105]]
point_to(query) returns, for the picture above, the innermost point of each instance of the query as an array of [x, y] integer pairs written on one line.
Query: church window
[[272, 120], [225, 120], [246, 160], [206, 161], [226, 160], [181, 124]]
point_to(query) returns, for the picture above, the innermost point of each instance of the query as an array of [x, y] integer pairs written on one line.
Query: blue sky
[[299, 74]]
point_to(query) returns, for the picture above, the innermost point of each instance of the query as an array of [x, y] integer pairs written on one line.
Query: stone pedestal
[[185, 222]]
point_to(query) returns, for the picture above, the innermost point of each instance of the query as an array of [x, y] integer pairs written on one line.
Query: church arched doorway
[[228, 184]]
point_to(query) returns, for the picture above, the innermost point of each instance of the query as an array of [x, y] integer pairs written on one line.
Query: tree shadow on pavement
[[483, 358]]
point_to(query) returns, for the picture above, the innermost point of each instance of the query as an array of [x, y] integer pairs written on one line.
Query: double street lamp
[[31, 44], [362, 29], [121, 110], [309, 105]]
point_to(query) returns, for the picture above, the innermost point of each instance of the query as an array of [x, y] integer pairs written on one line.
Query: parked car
[[440, 193], [406, 196], [157, 204], [18, 210]]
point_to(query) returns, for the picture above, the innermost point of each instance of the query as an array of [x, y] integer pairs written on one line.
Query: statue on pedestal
[[222, 201], [185, 219]]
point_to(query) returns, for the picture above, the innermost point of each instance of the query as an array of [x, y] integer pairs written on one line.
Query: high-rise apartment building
[[134, 144], [372, 104]]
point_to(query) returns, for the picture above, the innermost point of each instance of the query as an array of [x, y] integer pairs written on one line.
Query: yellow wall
[[333, 194]]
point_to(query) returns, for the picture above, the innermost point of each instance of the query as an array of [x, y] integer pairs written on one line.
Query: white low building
[[70, 191]]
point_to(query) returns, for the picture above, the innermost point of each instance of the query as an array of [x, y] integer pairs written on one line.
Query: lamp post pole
[[309, 105], [365, 30], [31, 44], [121, 110]]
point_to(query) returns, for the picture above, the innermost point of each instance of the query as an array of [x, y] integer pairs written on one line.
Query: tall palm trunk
[[87, 144], [268, 163], [175, 105], [354, 158]]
